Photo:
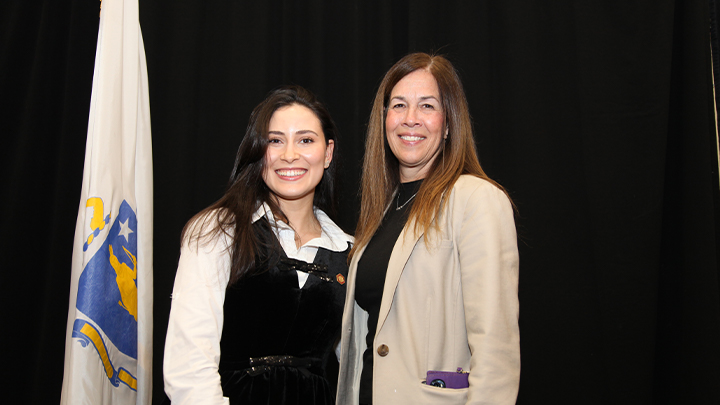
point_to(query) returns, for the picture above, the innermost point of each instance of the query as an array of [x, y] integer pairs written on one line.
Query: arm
[[487, 246], [192, 346]]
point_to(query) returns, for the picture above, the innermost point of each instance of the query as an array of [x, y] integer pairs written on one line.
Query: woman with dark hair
[[258, 295], [431, 314]]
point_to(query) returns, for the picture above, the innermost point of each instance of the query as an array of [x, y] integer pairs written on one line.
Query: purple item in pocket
[[448, 379]]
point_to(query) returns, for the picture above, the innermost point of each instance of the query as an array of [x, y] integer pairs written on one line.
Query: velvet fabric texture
[[267, 314]]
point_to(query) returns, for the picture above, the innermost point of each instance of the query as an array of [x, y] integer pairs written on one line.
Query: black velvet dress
[[269, 315]]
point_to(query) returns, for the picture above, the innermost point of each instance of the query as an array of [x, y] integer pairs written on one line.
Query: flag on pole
[[108, 346]]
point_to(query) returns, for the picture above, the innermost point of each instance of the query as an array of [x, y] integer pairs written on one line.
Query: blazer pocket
[[437, 395]]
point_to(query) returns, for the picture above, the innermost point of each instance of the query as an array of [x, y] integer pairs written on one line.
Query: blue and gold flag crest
[[107, 298]]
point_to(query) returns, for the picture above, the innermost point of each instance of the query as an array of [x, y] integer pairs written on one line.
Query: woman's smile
[[290, 174]]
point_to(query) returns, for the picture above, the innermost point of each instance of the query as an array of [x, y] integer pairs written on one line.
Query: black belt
[[258, 365]]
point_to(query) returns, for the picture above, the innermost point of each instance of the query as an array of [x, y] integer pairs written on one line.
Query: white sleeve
[[192, 345]]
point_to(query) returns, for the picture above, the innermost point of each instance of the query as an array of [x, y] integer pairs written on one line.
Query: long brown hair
[[381, 171], [232, 214]]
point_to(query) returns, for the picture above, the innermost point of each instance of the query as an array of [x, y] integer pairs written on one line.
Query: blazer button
[[383, 350]]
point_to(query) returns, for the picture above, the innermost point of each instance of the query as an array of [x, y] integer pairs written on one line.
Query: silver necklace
[[398, 208]]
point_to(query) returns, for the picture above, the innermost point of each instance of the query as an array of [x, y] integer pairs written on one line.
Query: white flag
[[108, 347]]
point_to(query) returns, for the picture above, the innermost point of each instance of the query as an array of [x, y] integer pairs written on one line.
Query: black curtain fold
[[598, 118]]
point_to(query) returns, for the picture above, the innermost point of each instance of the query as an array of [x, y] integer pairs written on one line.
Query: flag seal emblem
[[107, 296]]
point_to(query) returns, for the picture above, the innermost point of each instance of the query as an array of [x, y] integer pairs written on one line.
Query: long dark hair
[[232, 214]]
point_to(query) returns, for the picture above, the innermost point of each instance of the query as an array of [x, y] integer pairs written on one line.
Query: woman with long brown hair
[[258, 295], [431, 314]]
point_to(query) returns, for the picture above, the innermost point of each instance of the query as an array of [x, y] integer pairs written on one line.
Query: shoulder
[[469, 187], [338, 239], [209, 230], [478, 205], [473, 196]]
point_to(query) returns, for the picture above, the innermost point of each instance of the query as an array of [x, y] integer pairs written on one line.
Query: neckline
[[406, 194], [405, 190]]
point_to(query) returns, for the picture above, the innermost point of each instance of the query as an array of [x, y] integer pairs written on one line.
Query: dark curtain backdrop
[[597, 117]]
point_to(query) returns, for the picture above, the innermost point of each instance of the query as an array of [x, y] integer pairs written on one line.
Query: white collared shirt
[[332, 238], [192, 345]]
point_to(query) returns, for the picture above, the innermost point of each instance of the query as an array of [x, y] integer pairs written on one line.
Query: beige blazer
[[452, 303]]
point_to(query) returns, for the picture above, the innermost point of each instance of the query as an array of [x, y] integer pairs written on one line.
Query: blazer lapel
[[399, 257]]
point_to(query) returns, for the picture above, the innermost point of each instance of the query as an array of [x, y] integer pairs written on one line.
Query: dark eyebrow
[[300, 132], [423, 98], [305, 132]]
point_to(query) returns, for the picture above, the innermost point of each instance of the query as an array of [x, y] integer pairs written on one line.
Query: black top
[[268, 314], [371, 272]]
